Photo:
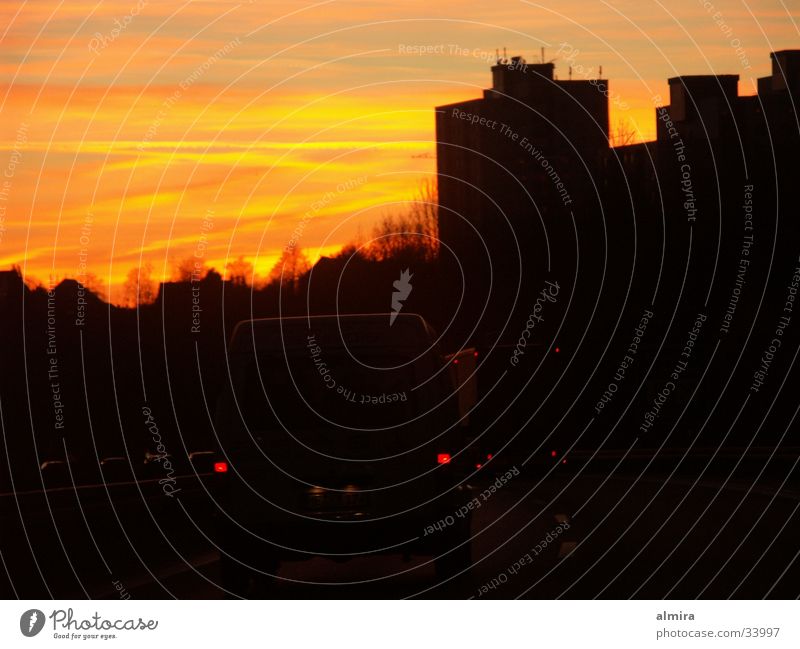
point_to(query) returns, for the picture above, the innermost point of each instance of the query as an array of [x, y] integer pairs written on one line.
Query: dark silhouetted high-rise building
[[518, 170]]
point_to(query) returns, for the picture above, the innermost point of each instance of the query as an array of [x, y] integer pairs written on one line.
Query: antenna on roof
[[505, 58], [497, 55], [601, 71], [542, 55], [570, 73]]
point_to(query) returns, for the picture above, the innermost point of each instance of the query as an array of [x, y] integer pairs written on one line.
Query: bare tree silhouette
[[190, 269], [239, 271], [291, 266], [413, 232], [140, 287], [624, 132]]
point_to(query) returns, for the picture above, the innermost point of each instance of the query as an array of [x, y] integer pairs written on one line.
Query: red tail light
[[475, 354], [220, 467], [553, 453], [455, 361], [489, 457], [443, 458]]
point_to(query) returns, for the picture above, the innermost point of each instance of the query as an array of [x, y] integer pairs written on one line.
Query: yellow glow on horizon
[[137, 143]]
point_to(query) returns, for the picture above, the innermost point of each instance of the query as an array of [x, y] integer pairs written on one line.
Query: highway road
[[571, 534]]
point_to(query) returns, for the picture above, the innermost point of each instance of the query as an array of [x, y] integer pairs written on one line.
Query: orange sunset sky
[[132, 129]]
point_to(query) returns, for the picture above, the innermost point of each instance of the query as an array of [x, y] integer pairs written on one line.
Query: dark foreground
[[712, 530]]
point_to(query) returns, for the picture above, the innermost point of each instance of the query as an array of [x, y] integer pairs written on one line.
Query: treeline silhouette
[[78, 372]]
